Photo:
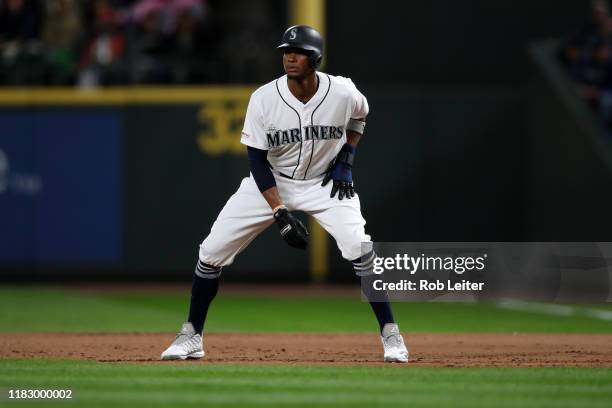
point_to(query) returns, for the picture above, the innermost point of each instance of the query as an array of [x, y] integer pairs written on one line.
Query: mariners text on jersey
[[316, 132]]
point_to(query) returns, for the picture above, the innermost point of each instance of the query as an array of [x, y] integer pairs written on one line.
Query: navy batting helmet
[[304, 38]]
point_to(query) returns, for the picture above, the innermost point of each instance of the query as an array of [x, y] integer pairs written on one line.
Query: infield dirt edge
[[426, 349]]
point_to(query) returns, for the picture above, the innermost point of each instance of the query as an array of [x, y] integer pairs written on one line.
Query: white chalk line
[[555, 310]]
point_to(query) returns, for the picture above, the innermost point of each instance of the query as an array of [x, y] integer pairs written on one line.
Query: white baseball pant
[[246, 214]]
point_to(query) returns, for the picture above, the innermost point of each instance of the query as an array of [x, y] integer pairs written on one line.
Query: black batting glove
[[341, 172], [291, 229], [344, 189]]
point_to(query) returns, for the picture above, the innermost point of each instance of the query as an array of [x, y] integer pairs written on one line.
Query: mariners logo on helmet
[[305, 38]]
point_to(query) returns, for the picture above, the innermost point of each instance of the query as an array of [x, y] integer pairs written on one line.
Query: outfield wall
[[132, 180]]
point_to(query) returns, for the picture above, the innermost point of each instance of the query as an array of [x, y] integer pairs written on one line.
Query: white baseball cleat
[[393, 344], [188, 344]]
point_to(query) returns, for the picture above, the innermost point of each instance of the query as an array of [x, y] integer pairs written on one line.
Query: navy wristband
[[346, 155]]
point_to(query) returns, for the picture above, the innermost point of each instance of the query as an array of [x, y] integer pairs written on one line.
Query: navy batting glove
[[341, 172]]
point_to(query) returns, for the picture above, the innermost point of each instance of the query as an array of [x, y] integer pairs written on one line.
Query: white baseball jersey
[[302, 138]]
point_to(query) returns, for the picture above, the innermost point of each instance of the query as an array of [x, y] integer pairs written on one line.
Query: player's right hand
[[291, 229]]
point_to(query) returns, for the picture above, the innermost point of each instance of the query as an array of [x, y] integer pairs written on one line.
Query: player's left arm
[[352, 138], [341, 171]]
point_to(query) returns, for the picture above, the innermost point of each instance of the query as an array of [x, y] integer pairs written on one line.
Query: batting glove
[[341, 172], [291, 229]]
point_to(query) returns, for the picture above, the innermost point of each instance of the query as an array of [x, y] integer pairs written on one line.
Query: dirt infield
[[437, 350]]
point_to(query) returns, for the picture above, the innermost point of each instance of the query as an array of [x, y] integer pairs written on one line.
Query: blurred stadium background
[[119, 144], [120, 123]]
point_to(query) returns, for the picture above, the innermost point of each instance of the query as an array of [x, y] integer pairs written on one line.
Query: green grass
[[55, 309], [202, 385]]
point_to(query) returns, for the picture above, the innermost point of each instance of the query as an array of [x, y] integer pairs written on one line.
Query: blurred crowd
[[587, 55], [103, 42]]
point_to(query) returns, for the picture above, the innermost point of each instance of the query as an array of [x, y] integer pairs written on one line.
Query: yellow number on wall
[[222, 122]]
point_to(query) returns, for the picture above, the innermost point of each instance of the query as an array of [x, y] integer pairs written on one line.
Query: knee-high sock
[[378, 301], [203, 290]]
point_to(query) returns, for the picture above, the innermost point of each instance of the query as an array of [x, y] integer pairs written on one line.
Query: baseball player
[[301, 132]]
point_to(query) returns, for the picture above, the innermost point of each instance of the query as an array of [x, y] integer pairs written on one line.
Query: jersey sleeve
[[360, 105], [253, 133]]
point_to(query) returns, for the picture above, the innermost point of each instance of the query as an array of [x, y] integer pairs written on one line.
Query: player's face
[[295, 62]]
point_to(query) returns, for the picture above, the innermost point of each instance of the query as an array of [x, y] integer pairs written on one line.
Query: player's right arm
[[273, 198], [253, 135], [263, 176], [291, 229]]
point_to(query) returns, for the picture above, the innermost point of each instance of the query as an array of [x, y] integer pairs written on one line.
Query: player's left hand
[[344, 189], [341, 172], [342, 185]]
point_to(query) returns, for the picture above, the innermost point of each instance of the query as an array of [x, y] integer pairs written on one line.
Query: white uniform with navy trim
[[301, 140]]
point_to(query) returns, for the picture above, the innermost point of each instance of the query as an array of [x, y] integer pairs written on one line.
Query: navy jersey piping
[[312, 124], [299, 121]]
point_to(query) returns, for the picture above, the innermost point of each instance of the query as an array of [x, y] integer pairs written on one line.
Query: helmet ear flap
[[315, 60]]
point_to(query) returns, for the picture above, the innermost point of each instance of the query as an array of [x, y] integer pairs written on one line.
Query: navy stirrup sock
[[382, 309], [203, 290]]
